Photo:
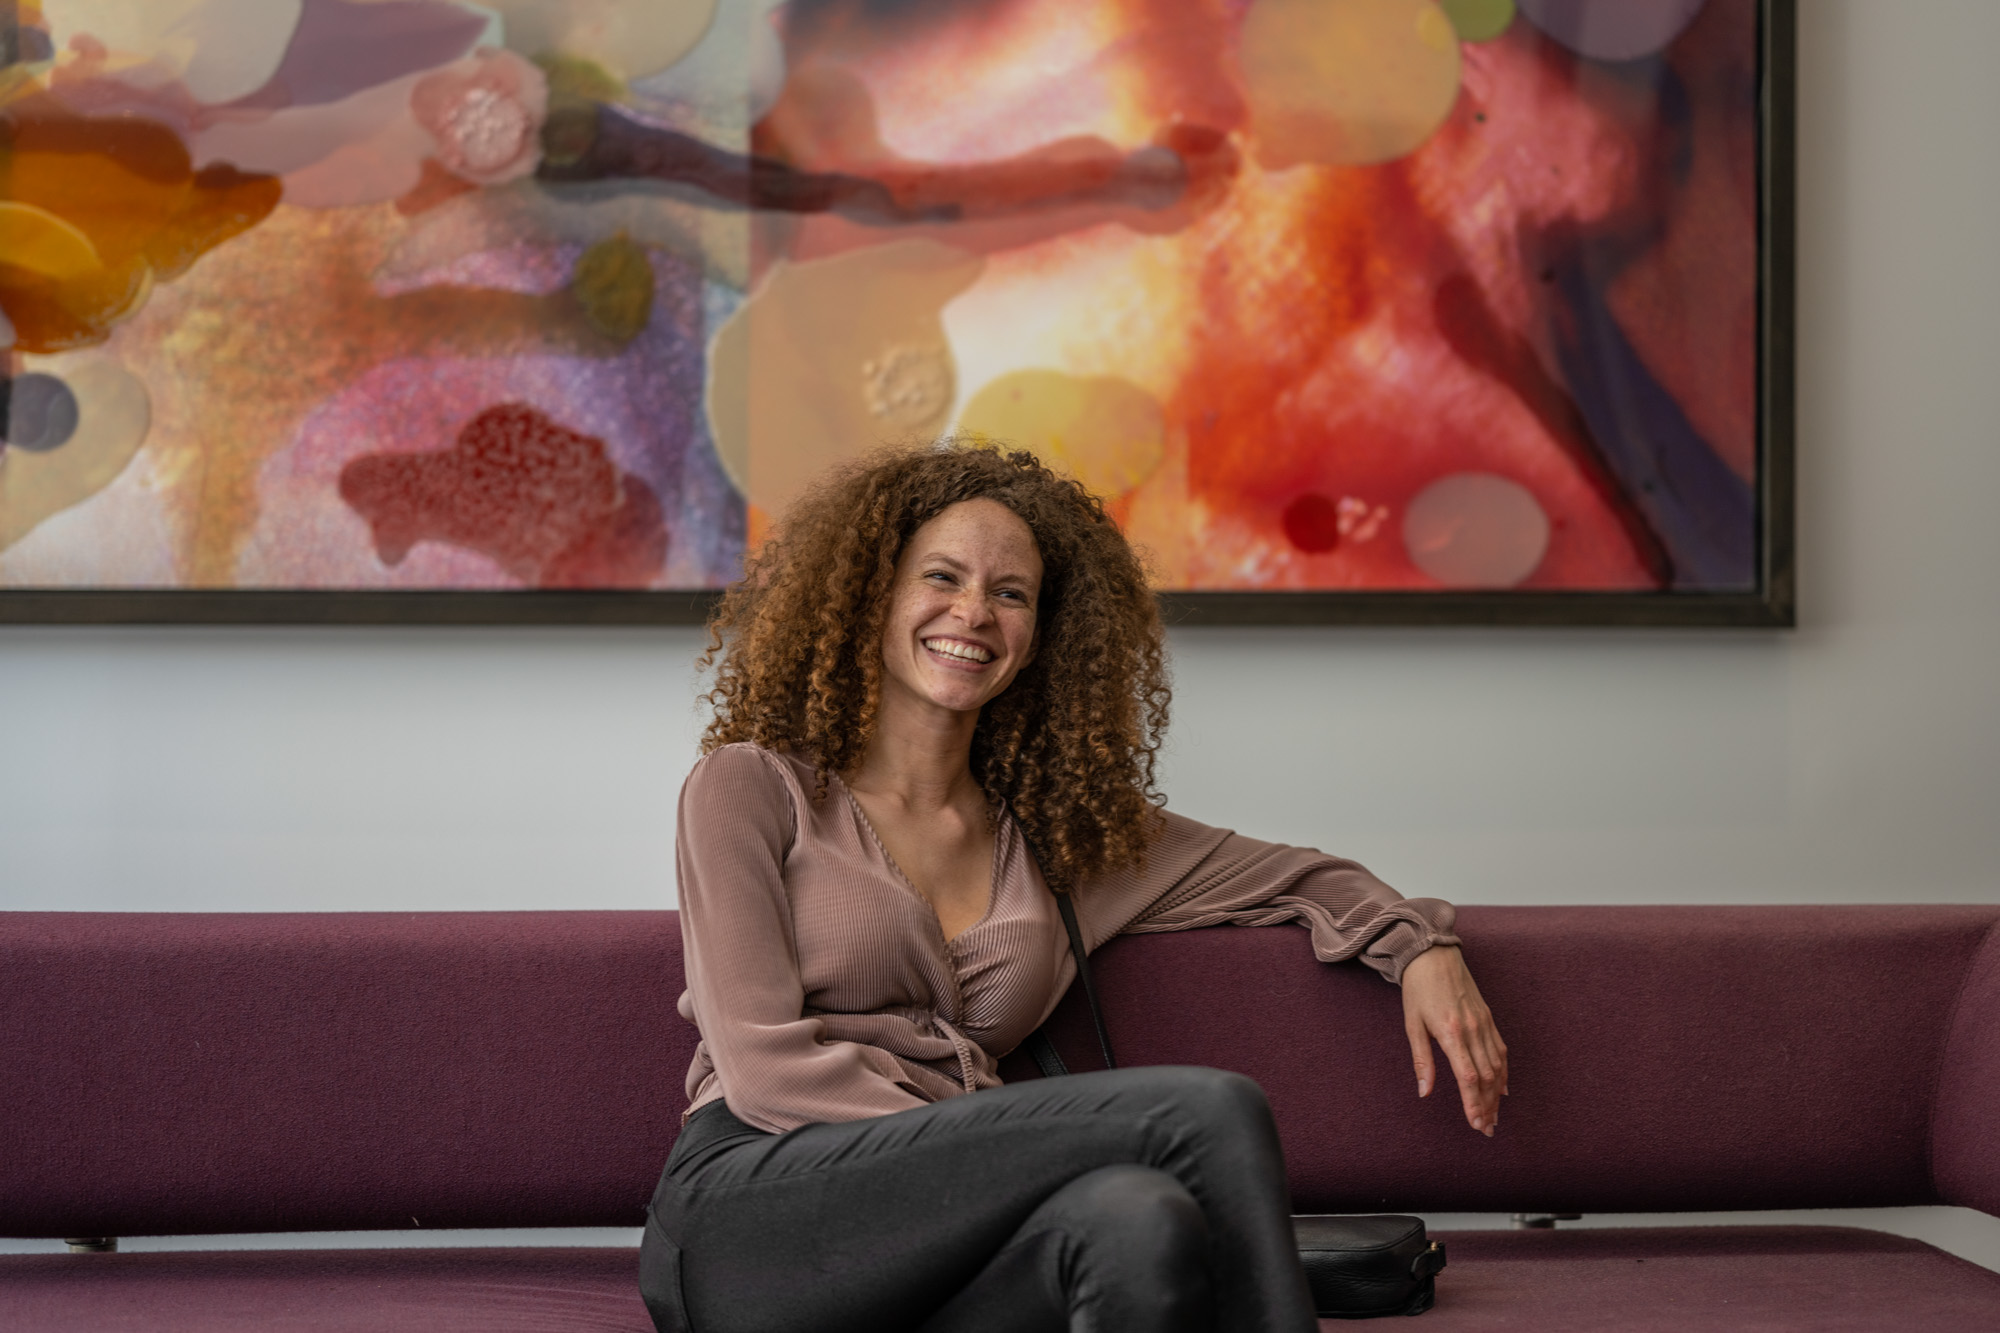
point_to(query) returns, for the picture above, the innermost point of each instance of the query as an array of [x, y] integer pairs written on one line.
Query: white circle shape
[[1612, 29], [1476, 530]]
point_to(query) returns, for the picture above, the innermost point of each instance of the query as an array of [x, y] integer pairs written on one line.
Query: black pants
[[1132, 1201]]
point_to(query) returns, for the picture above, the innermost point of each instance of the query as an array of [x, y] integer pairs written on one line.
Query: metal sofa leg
[[1542, 1221]]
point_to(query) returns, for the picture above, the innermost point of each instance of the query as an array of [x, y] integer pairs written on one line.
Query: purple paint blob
[[37, 413], [341, 48], [1612, 29], [644, 405]]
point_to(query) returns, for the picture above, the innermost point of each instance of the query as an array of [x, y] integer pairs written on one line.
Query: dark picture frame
[[1771, 603]]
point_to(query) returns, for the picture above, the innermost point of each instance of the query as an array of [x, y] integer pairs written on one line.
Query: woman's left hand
[[1441, 1000]]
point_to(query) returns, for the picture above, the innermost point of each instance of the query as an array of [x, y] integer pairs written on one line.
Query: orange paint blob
[[1273, 315], [435, 187], [124, 186]]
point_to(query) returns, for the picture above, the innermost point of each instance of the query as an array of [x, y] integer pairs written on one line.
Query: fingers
[[1498, 1049], [1495, 1049], [1480, 1096], [1480, 1054], [1490, 1063], [1420, 1055]]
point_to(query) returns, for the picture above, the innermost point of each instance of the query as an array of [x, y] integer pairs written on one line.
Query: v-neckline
[[909, 885]]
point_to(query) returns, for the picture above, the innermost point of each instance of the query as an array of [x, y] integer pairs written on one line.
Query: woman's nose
[[972, 609]]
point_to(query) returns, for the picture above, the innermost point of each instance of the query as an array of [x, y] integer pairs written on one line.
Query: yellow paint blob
[[1346, 82], [830, 359], [1479, 20], [614, 284], [113, 415], [1104, 431], [42, 243], [94, 302]]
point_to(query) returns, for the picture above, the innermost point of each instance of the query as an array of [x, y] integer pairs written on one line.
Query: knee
[[1126, 1247], [1142, 1210], [1219, 1097]]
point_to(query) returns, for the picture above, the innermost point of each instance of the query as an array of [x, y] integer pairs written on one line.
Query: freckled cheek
[[912, 632], [916, 609], [1022, 641]]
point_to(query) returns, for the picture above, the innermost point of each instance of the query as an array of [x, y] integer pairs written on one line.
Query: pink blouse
[[823, 985]]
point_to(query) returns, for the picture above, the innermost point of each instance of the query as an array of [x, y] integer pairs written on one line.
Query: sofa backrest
[[1965, 1125], [1664, 1058], [188, 1073]]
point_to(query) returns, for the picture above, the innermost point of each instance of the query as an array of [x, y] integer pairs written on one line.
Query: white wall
[[1855, 759]]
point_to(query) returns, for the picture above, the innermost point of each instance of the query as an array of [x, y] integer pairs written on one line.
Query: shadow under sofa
[[194, 1074]]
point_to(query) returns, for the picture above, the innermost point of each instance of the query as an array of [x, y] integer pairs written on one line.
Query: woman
[[941, 697]]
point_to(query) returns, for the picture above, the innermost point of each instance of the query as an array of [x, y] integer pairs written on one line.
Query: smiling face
[[962, 611]]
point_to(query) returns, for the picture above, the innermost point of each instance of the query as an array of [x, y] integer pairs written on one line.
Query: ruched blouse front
[[825, 990]]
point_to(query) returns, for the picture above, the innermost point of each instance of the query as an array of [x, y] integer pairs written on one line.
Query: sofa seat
[[1672, 1279], [554, 1290], [1770, 1279]]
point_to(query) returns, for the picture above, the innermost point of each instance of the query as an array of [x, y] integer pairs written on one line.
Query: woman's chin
[[962, 701], [956, 693]]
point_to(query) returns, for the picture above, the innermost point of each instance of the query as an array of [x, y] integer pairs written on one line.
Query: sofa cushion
[[1672, 1279], [1664, 1059], [1773, 1279], [366, 1291]]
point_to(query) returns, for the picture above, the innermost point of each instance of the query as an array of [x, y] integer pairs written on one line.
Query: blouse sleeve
[[1200, 876], [737, 823]]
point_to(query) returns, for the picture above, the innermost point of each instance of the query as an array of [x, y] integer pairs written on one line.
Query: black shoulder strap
[[1039, 1046], [1045, 1055]]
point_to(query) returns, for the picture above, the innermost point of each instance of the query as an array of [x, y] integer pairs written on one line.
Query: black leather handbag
[[1357, 1267]]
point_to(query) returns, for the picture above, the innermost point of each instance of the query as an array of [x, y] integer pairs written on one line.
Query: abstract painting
[[545, 309]]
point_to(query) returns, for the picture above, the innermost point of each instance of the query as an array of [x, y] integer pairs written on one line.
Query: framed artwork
[[1389, 311]]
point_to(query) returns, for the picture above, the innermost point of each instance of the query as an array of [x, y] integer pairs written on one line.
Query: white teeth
[[965, 651]]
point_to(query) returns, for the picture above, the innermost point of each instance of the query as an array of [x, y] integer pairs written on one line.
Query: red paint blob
[[543, 501], [1313, 523], [623, 551]]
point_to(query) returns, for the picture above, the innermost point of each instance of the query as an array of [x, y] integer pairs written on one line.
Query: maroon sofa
[[194, 1074]]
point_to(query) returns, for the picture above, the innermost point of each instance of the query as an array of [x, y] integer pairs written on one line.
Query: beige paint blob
[[220, 49], [113, 415], [833, 358], [1476, 530]]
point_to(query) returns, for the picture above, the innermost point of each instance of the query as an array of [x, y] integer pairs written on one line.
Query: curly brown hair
[[1070, 745]]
